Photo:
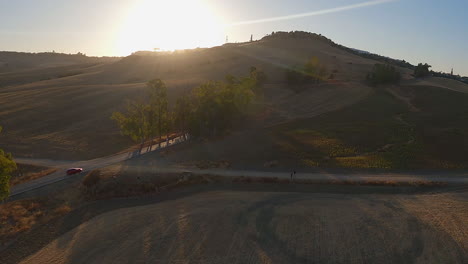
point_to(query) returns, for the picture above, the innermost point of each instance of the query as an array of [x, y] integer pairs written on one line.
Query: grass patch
[[27, 172], [18, 217], [381, 132]]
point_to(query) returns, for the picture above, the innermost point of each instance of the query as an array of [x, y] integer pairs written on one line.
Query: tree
[[259, 77], [314, 70], [133, 123], [146, 118], [158, 113], [422, 70], [182, 114], [383, 74], [311, 72], [7, 166], [217, 105]]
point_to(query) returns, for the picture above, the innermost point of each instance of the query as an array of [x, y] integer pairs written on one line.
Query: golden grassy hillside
[[63, 112]]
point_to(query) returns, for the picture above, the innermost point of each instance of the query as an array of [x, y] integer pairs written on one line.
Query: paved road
[[87, 165]]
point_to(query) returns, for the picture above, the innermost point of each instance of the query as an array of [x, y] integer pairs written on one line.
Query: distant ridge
[[12, 61]]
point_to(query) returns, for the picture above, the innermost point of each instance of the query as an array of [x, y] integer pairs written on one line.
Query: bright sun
[[169, 25]]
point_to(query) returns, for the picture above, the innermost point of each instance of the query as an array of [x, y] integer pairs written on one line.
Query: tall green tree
[[146, 119], [158, 116], [134, 122], [259, 77], [7, 166], [216, 105], [313, 71], [182, 114]]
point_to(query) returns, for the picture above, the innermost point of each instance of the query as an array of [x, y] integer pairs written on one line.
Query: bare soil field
[[266, 224]]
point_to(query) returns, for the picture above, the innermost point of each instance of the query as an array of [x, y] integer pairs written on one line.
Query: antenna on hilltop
[[251, 37]]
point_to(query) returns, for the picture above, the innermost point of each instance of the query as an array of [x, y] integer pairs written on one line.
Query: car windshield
[[207, 131]]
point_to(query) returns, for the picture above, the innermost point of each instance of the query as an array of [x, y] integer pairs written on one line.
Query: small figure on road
[[294, 172]]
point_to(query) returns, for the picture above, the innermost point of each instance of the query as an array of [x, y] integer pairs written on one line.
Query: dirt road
[[87, 165], [452, 178], [272, 227]]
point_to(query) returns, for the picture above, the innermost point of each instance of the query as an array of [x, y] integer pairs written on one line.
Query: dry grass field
[[63, 112], [261, 226]]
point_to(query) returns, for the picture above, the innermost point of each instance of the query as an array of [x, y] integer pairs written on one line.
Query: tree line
[[388, 74], [210, 109]]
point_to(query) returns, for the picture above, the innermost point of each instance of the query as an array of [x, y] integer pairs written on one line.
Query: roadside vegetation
[[128, 181], [27, 172], [7, 166]]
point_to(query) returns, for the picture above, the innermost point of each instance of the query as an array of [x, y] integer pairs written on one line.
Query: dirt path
[[272, 227], [87, 165]]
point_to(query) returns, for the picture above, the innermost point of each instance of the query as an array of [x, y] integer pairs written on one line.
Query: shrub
[[383, 74], [313, 71], [92, 179], [422, 70], [7, 167]]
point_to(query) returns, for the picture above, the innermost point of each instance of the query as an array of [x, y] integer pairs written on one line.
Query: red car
[[72, 171]]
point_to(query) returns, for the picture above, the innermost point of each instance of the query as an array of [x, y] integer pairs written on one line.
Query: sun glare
[[169, 25]]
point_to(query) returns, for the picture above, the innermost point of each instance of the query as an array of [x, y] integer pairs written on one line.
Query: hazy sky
[[432, 31]]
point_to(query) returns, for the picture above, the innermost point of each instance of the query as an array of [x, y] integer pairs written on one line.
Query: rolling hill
[[62, 112]]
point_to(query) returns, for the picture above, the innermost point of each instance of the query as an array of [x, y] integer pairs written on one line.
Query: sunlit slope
[[272, 55], [67, 117], [38, 74], [14, 61]]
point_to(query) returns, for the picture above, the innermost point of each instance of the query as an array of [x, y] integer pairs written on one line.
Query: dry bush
[[124, 183], [25, 177], [92, 179], [20, 216], [62, 210]]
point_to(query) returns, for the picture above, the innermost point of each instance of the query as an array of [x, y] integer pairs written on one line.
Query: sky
[[431, 31]]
